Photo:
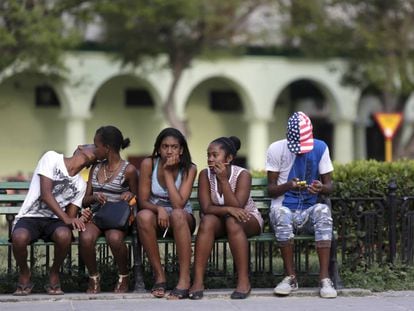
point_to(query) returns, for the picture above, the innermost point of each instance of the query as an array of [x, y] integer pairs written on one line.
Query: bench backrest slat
[[11, 198], [258, 193], [14, 185]]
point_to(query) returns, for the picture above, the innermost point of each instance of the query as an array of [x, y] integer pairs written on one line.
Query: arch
[[368, 137], [135, 80], [327, 91], [30, 129], [227, 81], [316, 100], [140, 123], [206, 124]]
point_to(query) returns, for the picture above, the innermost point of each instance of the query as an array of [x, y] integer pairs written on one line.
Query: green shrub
[[364, 178], [371, 178], [380, 278]]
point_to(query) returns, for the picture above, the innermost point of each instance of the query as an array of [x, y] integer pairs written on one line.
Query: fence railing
[[375, 229], [369, 230]]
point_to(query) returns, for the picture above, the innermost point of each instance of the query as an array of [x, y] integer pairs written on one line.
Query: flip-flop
[[158, 290], [178, 293], [23, 289], [53, 289]]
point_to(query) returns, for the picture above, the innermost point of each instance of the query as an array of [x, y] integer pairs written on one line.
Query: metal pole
[[388, 149], [392, 219]]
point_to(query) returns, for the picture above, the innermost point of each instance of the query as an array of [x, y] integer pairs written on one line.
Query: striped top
[[113, 189], [218, 199]]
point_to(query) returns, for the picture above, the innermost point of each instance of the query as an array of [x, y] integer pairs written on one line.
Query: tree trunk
[[169, 110]]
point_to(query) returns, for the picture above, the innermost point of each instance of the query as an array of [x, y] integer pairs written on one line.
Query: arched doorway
[[216, 107], [307, 96], [132, 105]]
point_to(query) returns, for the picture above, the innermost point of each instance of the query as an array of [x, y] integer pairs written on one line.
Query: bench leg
[[333, 265], [139, 286]]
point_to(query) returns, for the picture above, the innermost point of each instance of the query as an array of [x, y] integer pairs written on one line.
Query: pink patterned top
[[218, 198]]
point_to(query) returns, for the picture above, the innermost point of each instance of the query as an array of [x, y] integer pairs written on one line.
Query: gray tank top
[[159, 195]]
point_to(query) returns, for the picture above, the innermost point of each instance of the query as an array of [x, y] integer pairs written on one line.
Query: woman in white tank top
[[227, 209]]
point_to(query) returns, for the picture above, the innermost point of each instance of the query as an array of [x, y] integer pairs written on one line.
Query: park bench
[[263, 248]]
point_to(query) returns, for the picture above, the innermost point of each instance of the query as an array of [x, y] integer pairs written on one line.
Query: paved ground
[[261, 299]]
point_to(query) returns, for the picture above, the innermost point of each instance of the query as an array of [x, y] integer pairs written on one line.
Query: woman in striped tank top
[[113, 179], [227, 209]]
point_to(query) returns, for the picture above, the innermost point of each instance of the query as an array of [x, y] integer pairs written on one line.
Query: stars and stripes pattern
[[299, 133]]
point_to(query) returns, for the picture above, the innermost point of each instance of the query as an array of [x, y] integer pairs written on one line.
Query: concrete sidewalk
[[261, 299]]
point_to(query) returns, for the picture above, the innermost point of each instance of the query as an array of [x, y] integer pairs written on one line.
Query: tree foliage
[[376, 37], [181, 30], [34, 33]]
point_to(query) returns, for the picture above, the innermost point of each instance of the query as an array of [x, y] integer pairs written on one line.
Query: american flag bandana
[[299, 133]]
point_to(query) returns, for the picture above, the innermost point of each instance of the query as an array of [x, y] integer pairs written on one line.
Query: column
[[360, 141], [257, 140], [75, 133], [343, 142]]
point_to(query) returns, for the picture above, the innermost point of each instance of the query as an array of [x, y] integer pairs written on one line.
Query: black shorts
[[40, 227]]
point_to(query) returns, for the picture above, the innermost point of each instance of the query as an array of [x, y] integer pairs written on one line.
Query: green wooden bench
[[12, 195], [262, 246]]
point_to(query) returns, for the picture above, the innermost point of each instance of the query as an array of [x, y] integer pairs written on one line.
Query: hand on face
[[171, 161], [219, 168], [217, 160]]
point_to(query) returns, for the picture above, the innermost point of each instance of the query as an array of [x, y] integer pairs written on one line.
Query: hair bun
[[125, 143], [236, 142]]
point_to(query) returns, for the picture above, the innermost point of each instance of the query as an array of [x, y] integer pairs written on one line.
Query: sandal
[[196, 295], [94, 285], [158, 290], [178, 293], [23, 289], [122, 285], [53, 289], [240, 295]]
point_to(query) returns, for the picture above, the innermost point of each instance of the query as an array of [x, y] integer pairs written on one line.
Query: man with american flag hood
[[298, 169]]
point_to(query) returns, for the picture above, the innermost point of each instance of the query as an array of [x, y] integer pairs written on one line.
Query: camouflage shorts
[[316, 219]]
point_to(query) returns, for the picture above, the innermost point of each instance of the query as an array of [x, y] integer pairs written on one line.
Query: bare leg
[[287, 256], [237, 235], [147, 228], [323, 254], [210, 227], [87, 242], [20, 241], [115, 239], [181, 222], [62, 237]]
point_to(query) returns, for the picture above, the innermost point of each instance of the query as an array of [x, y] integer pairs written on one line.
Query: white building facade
[[265, 90]]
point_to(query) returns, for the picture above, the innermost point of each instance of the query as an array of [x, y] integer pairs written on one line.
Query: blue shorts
[[40, 227]]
